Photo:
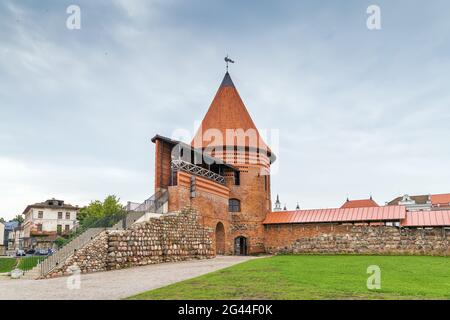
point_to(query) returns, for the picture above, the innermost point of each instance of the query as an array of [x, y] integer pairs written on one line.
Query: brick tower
[[228, 133]]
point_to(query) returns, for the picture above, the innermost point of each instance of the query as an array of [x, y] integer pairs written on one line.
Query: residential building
[[423, 202], [16, 239], [45, 221], [10, 235], [2, 239]]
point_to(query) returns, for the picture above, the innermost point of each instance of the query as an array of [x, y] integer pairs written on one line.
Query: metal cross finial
[[228, 60]]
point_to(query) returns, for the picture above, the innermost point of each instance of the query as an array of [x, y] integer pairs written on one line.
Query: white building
[[45, 221], [277, 206], [15, 239], [2, 239], [423, 202]]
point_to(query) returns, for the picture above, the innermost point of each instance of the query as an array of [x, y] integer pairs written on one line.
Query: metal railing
[[153, 204], [28, 263], [68, 250], [79, 239], [197, 170], [83, 235]]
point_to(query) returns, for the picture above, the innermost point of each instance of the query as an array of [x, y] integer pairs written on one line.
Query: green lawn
[[6, 264], [317, 277]]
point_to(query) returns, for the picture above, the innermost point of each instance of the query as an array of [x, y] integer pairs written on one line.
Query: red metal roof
[[360, 203], [427, 219], [388, 213]]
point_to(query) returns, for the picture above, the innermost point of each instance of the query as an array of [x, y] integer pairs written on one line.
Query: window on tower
[[234, 205], [237, 178]]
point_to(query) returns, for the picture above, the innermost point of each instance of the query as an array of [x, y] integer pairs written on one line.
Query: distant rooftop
[[51, 203], [364, 203], [434, 199]]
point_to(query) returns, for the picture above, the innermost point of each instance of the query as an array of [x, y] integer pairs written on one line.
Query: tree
[[60, 241], [2, 220], [107, 210], [18, 218]]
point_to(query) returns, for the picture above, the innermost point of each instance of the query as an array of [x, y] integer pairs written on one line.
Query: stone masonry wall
[[172, 237], [347, 239], [91, 258]]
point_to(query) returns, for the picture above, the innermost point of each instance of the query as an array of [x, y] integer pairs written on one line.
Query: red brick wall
[[254, 194], [163, 159], [210, 201], [212, 198]]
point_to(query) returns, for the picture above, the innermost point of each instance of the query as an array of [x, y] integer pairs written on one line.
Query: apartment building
[[45, 221], [2, 239]]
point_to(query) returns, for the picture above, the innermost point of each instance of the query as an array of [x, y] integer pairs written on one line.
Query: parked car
[[42, 252], [20, 253], [31, 251]]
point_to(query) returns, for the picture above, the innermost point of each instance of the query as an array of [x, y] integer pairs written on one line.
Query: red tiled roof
[[427, 219], [440, 199], [227, 111], [360, 203], [388, 213]]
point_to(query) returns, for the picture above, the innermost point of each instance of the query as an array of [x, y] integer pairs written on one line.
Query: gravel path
[[117, 284]]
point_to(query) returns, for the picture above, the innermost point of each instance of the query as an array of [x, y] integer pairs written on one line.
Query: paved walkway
[[116, 284]]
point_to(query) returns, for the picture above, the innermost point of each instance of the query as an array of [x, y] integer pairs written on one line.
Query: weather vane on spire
[[228, 60]]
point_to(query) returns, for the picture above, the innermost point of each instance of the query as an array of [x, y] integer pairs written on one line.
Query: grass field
[[317, 277], [28, 263], [6, 264], [25, 263]]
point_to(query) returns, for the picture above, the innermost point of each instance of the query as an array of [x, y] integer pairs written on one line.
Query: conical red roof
[[227, 111]]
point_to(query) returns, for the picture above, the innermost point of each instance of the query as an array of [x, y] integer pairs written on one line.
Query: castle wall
[[210, 201], [348, 239], [172, 237], [254, 194], [163, 158]]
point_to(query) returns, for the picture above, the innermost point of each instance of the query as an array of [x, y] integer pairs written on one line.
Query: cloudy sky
[[359, 112]]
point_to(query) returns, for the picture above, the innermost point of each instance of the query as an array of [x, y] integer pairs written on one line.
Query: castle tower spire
[[227, 123], [228, 133]]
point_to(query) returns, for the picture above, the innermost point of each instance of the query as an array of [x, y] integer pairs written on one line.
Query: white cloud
[[26, 182]]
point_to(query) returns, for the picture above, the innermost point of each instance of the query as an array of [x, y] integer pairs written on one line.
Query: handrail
[[78, 241], [117, 221], [154, 203], [51, 262]]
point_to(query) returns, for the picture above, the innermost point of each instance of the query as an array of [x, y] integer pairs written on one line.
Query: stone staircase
[[154, 204]]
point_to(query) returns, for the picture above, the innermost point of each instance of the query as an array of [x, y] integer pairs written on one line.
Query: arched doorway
[[220, 238], [240, 246]]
